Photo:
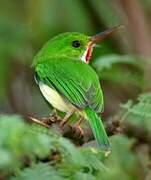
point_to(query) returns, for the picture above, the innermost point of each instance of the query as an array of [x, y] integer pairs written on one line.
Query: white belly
[[54, 98]]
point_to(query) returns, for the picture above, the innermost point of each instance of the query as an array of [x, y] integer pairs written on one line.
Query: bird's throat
[[87, 54]]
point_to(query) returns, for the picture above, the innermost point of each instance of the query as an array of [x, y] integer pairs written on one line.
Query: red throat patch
[[89, 53]]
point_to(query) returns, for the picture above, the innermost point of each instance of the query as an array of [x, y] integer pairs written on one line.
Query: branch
[[113, 126], [142, 134], [53, 122]]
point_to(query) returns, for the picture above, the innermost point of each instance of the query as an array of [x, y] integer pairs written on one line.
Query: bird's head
[[73, 45]]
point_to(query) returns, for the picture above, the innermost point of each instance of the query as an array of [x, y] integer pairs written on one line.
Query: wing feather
[[76, 81]]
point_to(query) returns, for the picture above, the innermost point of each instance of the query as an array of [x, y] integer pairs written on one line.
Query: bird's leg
[[66, 118], [77, 125]]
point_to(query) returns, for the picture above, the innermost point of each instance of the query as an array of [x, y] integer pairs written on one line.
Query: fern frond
[[140, 112], [113, 67]]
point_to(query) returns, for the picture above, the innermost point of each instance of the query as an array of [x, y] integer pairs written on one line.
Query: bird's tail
[[98, 130]]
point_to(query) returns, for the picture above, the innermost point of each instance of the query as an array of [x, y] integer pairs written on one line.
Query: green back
[[76, 81]]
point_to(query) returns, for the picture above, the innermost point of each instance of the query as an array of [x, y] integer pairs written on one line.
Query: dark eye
[[76, 44]]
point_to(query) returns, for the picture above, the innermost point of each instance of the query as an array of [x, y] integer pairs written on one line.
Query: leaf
[[18, 140], [140, 112], [39, 172], [122, 162], [111, 64]]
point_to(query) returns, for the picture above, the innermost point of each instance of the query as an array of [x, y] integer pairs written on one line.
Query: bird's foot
[[78, 127], [53, 118]]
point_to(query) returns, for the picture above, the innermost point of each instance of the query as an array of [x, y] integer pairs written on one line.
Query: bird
[[69, 83]]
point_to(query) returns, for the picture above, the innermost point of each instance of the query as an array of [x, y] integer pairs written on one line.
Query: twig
[[37, 121], [53, 122], [113, 126]]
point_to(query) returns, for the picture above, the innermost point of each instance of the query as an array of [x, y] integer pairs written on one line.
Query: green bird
[[68, 83]]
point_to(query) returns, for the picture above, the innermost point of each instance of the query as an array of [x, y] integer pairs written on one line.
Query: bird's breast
[[54, 98]]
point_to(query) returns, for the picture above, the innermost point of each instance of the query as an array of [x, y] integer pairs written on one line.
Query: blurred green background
[[122, 62]]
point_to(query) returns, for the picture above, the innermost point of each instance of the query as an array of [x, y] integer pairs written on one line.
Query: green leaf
[[39, 172], [122, 162], [139, 113], [121, 66]]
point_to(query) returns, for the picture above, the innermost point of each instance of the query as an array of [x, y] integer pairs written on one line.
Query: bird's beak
[[105, 34]]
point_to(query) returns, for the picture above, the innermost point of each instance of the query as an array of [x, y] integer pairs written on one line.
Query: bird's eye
[[76, 44]]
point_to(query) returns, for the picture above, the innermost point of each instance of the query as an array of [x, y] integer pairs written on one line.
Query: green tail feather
[[98, 130]]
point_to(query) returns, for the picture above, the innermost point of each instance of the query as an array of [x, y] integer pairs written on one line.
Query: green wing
[[76, 81]]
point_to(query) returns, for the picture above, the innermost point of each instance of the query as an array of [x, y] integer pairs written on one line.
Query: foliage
[[111, 64], [139, 113], [33, 152]]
